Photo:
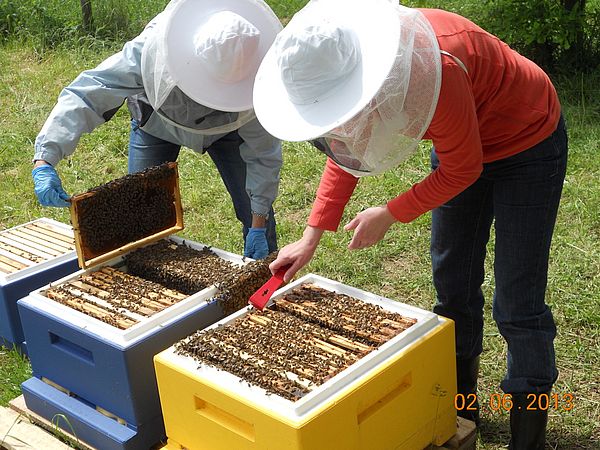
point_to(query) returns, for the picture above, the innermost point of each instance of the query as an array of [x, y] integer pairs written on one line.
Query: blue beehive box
[[90, 371], [90, 345], [31, 255]]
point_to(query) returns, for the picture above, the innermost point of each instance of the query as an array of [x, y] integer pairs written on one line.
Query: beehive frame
[[87, 257]]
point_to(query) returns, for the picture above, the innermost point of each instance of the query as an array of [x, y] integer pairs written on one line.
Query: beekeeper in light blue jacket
[[188, 80]]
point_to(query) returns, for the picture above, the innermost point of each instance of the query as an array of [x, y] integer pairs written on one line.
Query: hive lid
[[126, 213]]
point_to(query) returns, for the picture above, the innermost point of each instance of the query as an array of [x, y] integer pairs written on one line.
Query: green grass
[[14, 369], [398, 267]]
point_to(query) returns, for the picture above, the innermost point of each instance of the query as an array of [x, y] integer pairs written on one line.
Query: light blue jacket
[[96, 95]]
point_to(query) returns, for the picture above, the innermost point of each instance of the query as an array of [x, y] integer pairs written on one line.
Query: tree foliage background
[[557, 34]]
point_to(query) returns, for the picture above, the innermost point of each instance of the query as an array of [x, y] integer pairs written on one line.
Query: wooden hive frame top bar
[[105, 295]]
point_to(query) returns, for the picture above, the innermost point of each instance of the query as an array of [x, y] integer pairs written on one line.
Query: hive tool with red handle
[[260, 298]]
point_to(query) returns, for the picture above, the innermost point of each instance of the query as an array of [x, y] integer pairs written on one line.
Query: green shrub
[[543, 30], [9, 18], [52, 23]]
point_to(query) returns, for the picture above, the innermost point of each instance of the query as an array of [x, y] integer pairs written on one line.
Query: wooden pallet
[[23, 429], [40, 433], [18, 432], [47, 434], [464, 439]]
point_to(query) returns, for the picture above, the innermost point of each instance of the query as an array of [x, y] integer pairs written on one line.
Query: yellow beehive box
[[400, 396]]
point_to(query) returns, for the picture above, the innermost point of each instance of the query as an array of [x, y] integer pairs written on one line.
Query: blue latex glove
[[256, 243], [48, 187]]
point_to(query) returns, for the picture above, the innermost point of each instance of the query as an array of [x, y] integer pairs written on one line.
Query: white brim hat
[[213, 49], [325, 66]]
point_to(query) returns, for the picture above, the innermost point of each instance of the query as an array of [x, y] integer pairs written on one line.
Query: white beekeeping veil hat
[[205, 54], [362, 75]]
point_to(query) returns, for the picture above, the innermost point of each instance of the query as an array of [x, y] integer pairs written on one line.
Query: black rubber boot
[[527, 427], [467, 371]]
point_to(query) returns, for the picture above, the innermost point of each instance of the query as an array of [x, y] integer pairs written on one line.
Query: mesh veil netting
[[390, 127], [170, 102]]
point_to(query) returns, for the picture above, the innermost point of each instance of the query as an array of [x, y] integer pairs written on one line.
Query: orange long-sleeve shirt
[[504, 104]]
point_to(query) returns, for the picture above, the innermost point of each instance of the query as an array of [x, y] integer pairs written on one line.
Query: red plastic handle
[[262, 296]]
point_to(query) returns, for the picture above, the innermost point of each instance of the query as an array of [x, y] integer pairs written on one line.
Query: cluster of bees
[[345, 314], [179, 267], [307, 337], [127, 209], [236, 289], [114, 297]]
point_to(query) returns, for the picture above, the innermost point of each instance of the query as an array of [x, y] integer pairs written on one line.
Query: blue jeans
[[146, 150], [521, 194]]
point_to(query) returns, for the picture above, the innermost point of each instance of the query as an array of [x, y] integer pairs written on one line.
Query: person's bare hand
[[369, 226], [297, 254]]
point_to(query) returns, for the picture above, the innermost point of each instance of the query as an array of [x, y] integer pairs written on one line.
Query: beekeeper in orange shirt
[[366, 81]]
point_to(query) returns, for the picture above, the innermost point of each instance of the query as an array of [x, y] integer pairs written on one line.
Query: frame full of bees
[[126, 213]]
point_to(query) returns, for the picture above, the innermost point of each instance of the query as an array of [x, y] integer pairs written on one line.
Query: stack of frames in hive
[[31, 255], [305, 338]]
